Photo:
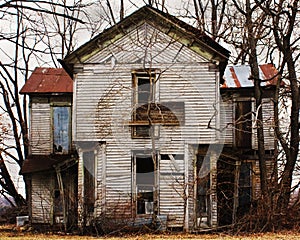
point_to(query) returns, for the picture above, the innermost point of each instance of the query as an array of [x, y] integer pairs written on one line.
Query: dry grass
[[7, 233]]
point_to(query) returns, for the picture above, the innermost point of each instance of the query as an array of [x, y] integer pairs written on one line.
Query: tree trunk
[[252, 42], [8, 185]]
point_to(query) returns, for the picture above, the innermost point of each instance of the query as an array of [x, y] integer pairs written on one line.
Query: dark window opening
[[61, 129], [203, 185], [58, 203], [245, 188], [89, 180], [243, 126], [144, 95], [144, 184]]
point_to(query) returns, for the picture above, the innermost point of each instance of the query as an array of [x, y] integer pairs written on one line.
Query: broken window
[[61, 129], [144, 183], [145, 94], [89, 180]]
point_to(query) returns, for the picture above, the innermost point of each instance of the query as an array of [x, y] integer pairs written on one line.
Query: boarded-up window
[[89, 180], [61, 129]]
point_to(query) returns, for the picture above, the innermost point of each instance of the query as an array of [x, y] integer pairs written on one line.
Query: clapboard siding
[[268, 122], [145, 43], [42, 203], [98, 112], [228, 117], [227, 122], [171, 188], [40, 123]]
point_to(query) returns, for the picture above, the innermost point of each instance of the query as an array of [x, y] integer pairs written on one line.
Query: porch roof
[[40, 163]]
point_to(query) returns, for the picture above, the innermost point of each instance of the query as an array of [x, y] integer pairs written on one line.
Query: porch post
[[213, 190]]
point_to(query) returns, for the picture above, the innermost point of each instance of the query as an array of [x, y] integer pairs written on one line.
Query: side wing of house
[[239, 132], [49, 166]]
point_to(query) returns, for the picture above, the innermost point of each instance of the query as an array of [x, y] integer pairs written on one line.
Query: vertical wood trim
[[236, 189], [218, 100], [103, 147], [186, 189], [80, 189], [74, 109], [95, 180]]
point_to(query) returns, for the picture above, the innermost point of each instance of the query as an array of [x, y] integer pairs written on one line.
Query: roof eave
[[168, 26]]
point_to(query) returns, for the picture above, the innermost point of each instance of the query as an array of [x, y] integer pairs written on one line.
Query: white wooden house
[[146, 117]]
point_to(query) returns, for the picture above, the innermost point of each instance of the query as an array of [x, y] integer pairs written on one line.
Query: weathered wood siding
[[171, 188], [40, 126], [42, 198], [103, 111], [227, 119], [268, 122]]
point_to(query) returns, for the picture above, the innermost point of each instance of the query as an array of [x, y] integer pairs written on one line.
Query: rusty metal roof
[[238, 76], [40, 163], [48, 80]]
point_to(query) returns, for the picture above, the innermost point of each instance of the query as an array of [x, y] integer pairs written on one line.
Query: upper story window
[[61, 128], [145, 93], [243, 123]]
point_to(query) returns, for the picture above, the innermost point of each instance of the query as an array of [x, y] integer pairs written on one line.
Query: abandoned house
[[134, 127]]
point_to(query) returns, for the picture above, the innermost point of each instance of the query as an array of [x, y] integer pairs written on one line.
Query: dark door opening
[[225, 190]]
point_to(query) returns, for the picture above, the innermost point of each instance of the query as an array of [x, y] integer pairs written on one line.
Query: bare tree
[[21, 45], [285, 22]]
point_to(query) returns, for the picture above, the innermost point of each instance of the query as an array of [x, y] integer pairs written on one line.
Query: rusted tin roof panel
[[48, 80], [239, 76]]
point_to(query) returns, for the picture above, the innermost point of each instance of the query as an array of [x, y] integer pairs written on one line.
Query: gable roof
[[184, 33], [48, 80], [238, 76]]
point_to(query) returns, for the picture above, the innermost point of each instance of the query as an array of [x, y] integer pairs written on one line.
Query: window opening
[[245, 187], [89, 180], [144, 184], [203, 185], [61, 129], [243, 118], [144, 94]]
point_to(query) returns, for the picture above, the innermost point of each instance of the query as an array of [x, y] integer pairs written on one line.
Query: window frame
[[153, 76], [135, 193], [91, 208], [69, 106], [242, 186]]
